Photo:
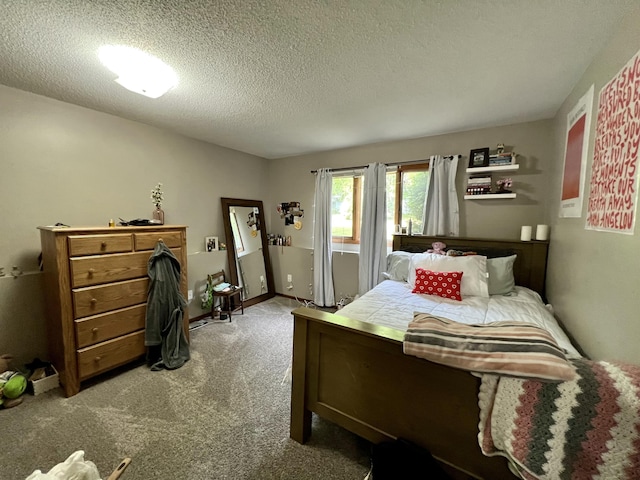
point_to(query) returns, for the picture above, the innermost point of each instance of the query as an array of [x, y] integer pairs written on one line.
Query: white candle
[[525, 233], [542, 232]]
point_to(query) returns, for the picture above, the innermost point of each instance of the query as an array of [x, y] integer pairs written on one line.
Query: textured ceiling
[[283, 77]]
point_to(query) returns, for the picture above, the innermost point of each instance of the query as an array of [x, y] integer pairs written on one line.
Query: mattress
[[391, 303]]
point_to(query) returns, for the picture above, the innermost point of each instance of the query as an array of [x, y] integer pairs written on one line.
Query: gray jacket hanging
[[164, 333]]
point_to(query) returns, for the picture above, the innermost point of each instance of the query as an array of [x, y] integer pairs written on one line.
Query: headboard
[[529, 269]]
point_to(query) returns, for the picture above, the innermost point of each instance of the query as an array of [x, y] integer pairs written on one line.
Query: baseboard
[[303, 302], [199, 317], [294, 298], [300, 300]]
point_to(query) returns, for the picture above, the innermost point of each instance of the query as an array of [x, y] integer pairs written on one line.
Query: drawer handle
[[104, 245], [94, 301], [92, 271], [94, 330], [97, 359]]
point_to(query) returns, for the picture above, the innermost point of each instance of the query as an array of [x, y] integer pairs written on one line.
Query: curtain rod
[[393, 164]]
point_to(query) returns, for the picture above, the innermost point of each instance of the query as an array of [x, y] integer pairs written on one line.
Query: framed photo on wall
[[479, 157], [210, 244]]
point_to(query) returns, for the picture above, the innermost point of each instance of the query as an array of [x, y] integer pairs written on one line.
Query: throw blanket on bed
[[580, 429]]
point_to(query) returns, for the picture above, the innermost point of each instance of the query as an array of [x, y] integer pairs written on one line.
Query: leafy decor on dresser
[[157, 196]]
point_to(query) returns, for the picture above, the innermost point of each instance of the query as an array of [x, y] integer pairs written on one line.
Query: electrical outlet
[[289, 278], [262, 278], [190, 295]]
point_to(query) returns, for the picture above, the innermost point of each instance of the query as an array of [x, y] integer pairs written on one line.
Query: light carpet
[[223, 415]]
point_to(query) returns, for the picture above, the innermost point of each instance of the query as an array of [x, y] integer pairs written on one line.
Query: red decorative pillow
[[442, 284]]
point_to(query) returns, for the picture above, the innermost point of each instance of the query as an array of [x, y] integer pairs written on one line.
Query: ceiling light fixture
[[138, 71]]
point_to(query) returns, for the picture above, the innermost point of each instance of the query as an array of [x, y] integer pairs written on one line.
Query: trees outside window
[[406, 191]]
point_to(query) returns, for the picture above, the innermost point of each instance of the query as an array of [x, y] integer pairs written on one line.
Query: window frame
[[423, 167], [358, 179], [239, 244], [356, 209]]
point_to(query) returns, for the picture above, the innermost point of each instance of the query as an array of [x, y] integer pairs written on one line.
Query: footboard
[[355, 374]]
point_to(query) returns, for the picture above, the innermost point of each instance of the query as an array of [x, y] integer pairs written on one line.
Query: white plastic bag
[[73, 468]]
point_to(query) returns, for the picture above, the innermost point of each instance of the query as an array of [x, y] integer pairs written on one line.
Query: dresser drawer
[[96, 244], [96, 329], [95, 270], [93, 300], [107, 355], [147, 241]]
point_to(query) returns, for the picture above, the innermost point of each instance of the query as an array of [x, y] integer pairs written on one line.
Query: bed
[[354, 373]]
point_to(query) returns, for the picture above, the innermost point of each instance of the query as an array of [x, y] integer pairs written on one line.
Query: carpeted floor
[[224, 415]]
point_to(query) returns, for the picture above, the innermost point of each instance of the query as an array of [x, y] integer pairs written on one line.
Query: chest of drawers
[[96, 284]]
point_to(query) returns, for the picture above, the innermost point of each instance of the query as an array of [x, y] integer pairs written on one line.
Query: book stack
[[504, 158], [479, 185]]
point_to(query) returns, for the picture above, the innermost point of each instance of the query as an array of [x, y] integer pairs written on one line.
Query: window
[[237, 238], [406, 191], [413, 181], [346, 201]]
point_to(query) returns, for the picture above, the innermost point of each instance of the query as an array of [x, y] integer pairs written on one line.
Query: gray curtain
[[373, 231], [323, 293], [441, 210]]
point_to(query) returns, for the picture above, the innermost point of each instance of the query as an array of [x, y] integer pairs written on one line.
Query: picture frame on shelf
[[210, 244], [479, 157]]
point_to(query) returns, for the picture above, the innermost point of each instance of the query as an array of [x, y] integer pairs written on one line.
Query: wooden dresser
[[96, 291]]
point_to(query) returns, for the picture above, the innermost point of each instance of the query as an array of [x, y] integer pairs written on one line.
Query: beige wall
[[594, 276], [290, 180], [295, 261], [63, 163]]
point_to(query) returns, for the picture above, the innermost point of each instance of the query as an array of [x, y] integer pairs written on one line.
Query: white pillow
[[473, 268]]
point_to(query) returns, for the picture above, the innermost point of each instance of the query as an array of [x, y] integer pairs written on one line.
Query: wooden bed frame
[[355, 374]]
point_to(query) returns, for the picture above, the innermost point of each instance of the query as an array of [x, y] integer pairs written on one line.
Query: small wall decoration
[[575, 156], [254, 220], [289, 211], [479, 157], [210, 244], [503, 185], [613, 191]]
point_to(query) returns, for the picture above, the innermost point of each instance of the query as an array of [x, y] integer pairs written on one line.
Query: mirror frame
[[231, 247]]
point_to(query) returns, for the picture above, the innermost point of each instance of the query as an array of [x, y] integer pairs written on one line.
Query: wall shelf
[[490, 196], [498, 168]]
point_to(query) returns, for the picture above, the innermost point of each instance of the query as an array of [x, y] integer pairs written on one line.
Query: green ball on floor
[[15, 386]]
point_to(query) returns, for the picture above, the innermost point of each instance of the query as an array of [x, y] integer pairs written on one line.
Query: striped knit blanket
[[580, 429]]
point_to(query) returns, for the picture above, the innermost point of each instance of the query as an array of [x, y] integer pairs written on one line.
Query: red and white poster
[[575, 156], [613, 191]]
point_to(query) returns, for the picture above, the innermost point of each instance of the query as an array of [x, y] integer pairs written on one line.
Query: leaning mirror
[[247, 251]]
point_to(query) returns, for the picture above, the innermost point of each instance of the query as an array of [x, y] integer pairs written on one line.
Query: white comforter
[[392, 304]]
